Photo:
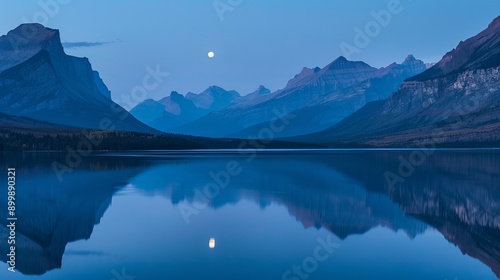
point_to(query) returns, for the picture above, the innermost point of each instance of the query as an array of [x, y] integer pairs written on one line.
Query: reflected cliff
[[313, 192], [346, 193], [456, 193], [52, 213]]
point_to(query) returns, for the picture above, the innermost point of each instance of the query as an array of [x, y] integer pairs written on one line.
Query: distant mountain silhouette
[[316, 97], [176, 110]]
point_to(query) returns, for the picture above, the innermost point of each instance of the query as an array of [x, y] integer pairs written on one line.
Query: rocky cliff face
[[456, 101], [38, 80], [470, 70], [482, 85]]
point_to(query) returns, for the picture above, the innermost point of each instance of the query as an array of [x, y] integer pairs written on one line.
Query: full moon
[[211, 54]]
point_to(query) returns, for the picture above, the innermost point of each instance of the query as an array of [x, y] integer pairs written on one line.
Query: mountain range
[[454, 102], [316, 98]]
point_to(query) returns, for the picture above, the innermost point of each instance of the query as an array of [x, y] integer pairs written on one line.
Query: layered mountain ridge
[[455, 101], [315, 97], [411, 103]]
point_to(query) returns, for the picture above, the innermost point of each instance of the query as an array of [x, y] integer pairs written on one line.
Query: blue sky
[[255, 42]]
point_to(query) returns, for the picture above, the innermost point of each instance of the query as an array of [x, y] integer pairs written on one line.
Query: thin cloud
[[77, 45], [84, 253]]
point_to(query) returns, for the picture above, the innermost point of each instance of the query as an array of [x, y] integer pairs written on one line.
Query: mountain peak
[[211, 90], [32, 33], [304, 75], [261, 90], [495, 22], [46, 84], [478, 52], [30, 36], [340, 59], [338, 62], [26, 41], [342, 63], [410, 57], [174, 96], [214, 97]]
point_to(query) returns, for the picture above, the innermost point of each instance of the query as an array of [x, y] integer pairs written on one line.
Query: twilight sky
[[255, 42]]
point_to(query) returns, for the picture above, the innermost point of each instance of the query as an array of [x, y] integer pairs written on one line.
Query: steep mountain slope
[[322, 113], [9, 122], [309, 85], [38, 80], [480, 52], [455, 101]]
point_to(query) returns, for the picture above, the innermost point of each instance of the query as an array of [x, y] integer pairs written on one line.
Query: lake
[[336, 214]]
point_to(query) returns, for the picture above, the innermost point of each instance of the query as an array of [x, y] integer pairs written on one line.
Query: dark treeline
[[22, 140], [18, 140], [11, 140]]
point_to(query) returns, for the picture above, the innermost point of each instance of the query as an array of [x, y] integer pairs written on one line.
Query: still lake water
[[278, 215]]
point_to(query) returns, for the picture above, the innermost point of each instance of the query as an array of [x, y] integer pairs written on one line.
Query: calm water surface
[[288, 215]]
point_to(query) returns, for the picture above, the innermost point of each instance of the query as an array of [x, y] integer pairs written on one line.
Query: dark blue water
[[274, 215]]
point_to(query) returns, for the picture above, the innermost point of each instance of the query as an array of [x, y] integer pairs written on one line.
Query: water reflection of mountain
[[461, 200], [312, 192], [51, 213], [456, 193]]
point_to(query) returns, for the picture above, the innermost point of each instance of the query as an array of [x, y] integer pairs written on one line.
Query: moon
[[211, 54]]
